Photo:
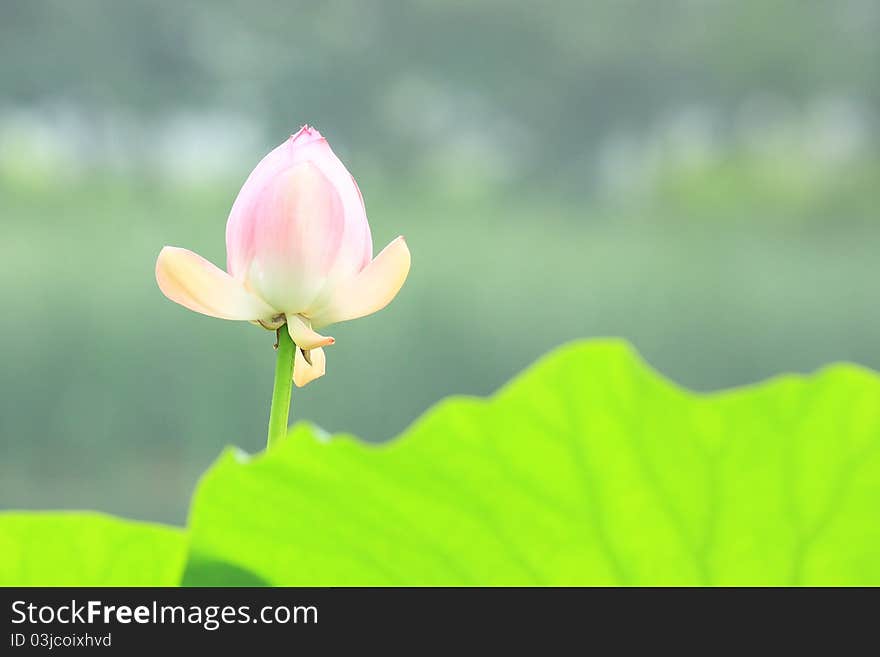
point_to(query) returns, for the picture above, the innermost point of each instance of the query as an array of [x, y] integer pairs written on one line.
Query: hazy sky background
[[699, 177]]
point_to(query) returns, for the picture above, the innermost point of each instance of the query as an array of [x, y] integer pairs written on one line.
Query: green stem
[[283, 386]]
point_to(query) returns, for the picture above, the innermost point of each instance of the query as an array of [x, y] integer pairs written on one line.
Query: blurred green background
[[699, 177]]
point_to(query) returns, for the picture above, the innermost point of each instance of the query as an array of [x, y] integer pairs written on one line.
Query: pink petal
[[298, 225], [371, 290], [193, 282], [340, 241], [356, 249], [240, 225]]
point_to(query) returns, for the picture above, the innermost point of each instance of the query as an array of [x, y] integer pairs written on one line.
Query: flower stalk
[[279, 412], [299, 257]]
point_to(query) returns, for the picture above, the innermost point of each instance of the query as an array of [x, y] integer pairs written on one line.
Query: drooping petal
[[303, 336], [193, 282], [370, 290], [308, 365]]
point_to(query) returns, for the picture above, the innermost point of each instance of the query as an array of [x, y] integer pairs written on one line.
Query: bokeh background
[[700, 177]]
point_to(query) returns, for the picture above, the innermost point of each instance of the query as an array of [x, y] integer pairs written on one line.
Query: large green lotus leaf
[[87, 549], [589, 468]]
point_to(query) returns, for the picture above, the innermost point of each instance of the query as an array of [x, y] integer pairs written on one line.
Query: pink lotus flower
[[299, 252]]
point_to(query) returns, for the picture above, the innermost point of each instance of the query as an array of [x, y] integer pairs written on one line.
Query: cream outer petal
[[303, 372], [193, 282], [370, 290]]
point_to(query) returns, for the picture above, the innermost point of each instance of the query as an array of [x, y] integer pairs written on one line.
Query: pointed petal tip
[[306, 134], [401, 248], [304, 336]]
